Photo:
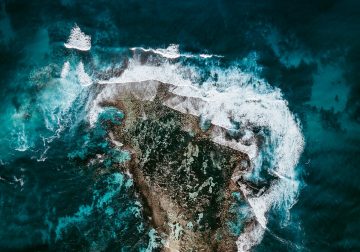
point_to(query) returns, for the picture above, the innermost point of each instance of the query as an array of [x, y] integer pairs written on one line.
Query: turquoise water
[[59, 189]]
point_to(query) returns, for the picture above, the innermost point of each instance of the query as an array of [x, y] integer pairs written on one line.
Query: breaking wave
[[78, 40]]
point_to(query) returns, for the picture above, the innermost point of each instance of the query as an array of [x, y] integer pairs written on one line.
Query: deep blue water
[[50, 199]]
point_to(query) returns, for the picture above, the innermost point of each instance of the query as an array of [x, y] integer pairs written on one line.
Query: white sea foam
[[207, 56], [240, 97], [65, 70], [22, 141], [84, 79], [19, 180], [78, 40], [172, 52], [57, 104]]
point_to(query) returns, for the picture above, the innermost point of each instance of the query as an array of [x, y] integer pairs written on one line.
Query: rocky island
[[185, 179]]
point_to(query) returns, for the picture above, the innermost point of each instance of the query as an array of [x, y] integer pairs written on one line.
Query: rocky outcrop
[[183, 167]]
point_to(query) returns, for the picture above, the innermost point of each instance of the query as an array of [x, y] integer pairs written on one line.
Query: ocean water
[[59, 188]]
